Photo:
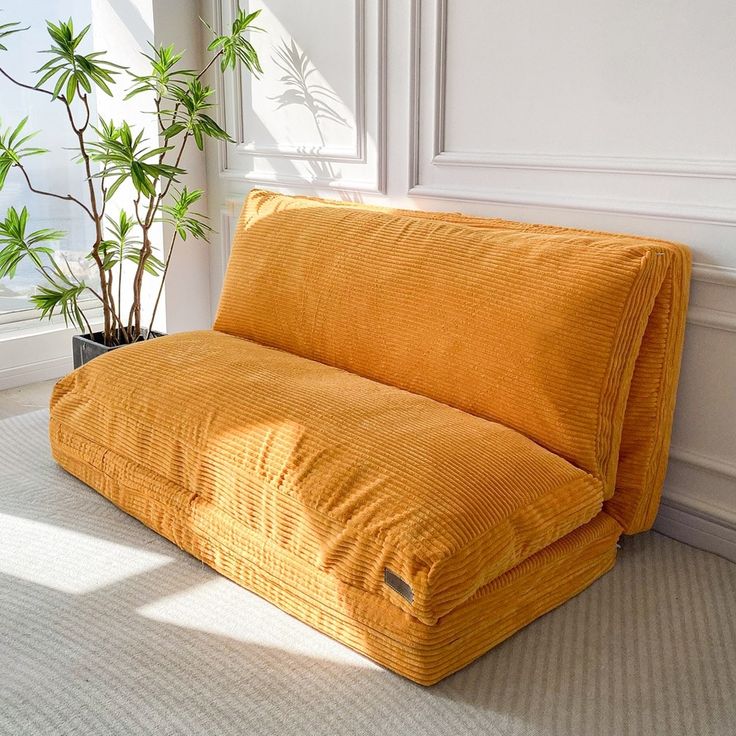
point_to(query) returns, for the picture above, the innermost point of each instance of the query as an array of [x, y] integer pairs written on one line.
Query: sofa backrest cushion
[[538, 330], [647, 424]]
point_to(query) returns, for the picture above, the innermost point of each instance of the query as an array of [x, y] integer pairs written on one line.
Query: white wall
[[186, 300], [615, 116]]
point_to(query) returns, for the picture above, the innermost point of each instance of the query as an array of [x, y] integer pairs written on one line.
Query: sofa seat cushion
[[389, 492]]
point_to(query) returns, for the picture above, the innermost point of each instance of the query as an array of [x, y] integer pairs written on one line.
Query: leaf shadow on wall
[[318, 99]]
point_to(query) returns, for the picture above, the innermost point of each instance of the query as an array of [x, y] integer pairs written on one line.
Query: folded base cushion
[[299, 463], [364, 621]]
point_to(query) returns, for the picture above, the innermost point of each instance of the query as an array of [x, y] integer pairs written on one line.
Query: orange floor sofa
[[416, 432]]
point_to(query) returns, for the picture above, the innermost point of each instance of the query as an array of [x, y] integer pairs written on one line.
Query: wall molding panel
[[715, 319], [704, 462], [359, 168], [691, 168], [599, 184], [325, 153], [722, 275], [227, 219], [42, 370], [21, 353], [656, 210], [437, 173], [226, 236]]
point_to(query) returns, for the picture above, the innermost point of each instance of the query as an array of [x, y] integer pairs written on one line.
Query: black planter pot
[[87, 347]]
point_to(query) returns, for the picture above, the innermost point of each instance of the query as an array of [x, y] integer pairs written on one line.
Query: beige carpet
[[105, 628]]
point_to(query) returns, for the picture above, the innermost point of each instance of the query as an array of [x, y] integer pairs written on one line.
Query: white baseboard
[[698, 523], [42, 370]]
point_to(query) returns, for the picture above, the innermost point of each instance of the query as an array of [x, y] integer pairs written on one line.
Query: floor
[[20, 400], [107, 628]]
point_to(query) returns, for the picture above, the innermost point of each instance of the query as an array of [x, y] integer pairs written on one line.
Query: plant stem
[[86, 322], [67, 197], [161, 285], [86, 107], [134, 318], [120, 284], [25, 86], [107, 308], [211, 62], [134, 314], [110, 281]]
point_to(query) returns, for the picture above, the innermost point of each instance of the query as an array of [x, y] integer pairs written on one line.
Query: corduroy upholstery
[[403, 427], [444, 499], [556, 292]]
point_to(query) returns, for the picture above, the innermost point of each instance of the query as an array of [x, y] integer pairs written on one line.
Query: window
[[54, 171]]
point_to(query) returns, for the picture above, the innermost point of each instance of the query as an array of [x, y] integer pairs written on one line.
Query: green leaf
[[212, 129], [71, 88], [60, 83], [16, 245], [163, 75], [173, 130], [71, 68], [124, 157], [122, 245], [116, 185], [8, 29], [178, 215], [234, 47], [60, 289], [193, 102], [13, 149], [60, 298]]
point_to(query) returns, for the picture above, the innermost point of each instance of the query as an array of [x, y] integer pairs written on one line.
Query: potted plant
[[111, 154]]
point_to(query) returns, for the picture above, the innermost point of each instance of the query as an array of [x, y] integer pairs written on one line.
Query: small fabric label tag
[[398, 584]]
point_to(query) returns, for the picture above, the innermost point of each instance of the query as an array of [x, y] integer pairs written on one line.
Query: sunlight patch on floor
[[222, 608], [67, 560]]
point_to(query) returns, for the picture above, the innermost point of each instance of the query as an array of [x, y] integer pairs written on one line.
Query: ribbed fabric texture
[[350, 476], [650, 404], [365, 621], [538, 328], [403, 428], [637, 427]]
